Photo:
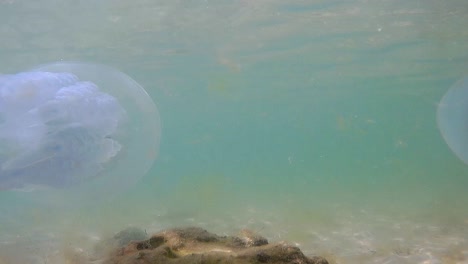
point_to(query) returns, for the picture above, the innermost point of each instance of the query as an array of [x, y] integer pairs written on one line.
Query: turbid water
[[312, 122]]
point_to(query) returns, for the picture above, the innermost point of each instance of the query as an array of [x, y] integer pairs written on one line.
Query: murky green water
[[311, 122]]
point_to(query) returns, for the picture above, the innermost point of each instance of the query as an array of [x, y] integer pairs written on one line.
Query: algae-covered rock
[[197, 246]]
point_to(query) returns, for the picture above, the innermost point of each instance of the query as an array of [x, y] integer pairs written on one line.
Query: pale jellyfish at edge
[[452, 118]]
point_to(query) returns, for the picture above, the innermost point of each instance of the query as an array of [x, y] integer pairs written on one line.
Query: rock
[[197, 246], [121, 239], [129, 234]]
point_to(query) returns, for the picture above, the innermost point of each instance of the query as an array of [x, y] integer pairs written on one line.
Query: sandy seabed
[[359, 237]]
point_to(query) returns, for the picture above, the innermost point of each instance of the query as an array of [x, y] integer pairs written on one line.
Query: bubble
[[73, 125], [452, 119]]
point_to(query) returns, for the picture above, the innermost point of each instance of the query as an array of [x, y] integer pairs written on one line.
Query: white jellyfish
[[68, 124]]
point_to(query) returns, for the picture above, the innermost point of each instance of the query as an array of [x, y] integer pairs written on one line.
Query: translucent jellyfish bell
[[452, 118], [75, 125]]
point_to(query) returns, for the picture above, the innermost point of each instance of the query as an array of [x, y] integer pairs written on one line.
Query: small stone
[[129, 234], [252, 239]]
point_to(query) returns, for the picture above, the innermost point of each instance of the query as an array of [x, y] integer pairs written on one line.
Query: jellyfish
[[452, 118], [70, 124]]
